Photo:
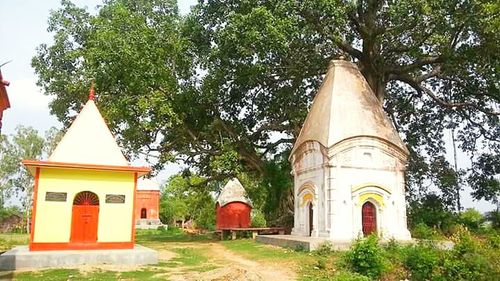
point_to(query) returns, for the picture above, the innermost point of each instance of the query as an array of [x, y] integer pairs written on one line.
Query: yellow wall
[[53, 219]]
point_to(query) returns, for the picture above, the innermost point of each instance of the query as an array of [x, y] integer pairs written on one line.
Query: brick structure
[[147, 208], [233, 207]]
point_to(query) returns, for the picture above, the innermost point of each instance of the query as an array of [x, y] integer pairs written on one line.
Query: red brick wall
[[150, 200], [233, 215]]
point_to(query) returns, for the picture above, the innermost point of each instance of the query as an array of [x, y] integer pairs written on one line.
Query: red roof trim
[[63, 165]]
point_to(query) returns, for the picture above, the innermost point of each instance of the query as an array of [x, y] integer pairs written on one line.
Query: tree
[[231, 82], [485, 178], [471, 218], [180, 201], [14, 177]]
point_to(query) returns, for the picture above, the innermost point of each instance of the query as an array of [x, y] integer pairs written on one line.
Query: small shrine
[[147, 208], [233, 208], [348, 164], [85, 192]]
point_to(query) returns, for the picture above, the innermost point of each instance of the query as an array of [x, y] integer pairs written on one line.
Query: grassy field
[[185, 256], [9, 240], [194, 257]]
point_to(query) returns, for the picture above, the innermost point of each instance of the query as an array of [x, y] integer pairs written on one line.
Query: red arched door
[[144, 213], [369, 218], [85, 218]]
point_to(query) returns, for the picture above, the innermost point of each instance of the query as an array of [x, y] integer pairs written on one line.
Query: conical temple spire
[[346, 107], [89, 128]]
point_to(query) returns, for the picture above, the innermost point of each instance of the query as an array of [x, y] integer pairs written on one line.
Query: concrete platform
[[20, 257], [301, 242], [313, 243]]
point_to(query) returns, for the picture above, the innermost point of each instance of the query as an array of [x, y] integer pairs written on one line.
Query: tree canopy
[[15, 179], [225, 89]]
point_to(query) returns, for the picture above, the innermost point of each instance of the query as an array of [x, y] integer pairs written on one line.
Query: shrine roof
[[346, 107], [88, 144], [233, 191]]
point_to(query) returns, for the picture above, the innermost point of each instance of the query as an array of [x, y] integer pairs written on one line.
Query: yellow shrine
[[84, 194]]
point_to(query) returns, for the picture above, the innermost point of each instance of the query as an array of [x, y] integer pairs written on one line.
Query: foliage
[[15, 180], [365, 257], [226, 88], [172, 209], [258, 219], [421, 260], [184, 198], [324, 249], [482, 178], [431, 211], [9, 240], [471, 218], [468, 260], [349, 276], [422, 231], [493, 240], [494, 218]]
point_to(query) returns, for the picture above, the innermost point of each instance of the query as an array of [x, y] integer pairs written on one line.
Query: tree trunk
[[375, 80]]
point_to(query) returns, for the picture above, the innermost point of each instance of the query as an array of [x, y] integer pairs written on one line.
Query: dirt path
[[239, 268]]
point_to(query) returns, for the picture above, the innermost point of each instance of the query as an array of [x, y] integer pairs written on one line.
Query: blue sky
[[23, 26]]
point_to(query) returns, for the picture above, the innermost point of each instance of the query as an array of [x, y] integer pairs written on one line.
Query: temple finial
[[92, 92]]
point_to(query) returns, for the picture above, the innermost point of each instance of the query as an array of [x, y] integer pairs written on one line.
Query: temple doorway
[[369, 218], [85, 218], [310, 213]]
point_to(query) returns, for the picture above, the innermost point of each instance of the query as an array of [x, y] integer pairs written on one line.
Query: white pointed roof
[[346, 107], [147, 184], [89, 141], [233, 191]]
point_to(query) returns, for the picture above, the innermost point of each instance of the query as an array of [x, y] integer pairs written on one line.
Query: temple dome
[[346, 107], [233, 191]]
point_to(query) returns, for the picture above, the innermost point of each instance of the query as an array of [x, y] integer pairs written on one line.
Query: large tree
[[15, 179], [227, 87]]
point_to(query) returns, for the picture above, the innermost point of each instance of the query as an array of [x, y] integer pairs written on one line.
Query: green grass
[[148, 236], [258, 251], [50, 275], [189, 256], [9, 240], [310, 265]]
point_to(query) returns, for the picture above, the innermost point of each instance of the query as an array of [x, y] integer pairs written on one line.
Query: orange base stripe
[[80, 246]]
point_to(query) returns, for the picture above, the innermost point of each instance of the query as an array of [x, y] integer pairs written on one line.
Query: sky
[[23, 27]]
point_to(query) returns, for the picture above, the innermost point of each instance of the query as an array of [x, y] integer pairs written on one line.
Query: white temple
[[348, 164]]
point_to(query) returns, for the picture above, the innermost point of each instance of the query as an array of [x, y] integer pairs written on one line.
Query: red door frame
[[369, 218], [85, 218]]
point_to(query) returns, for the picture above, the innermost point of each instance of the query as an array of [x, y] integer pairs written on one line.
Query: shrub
[[365, 257], [471, 218], [468, 267], [467, 260], [324, 249], [494, 240], [494, 218], [422, 231], [349, 276], [421, 260], [258, 219]]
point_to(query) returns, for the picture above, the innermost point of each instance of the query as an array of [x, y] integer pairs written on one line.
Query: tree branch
[[421, 89]]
